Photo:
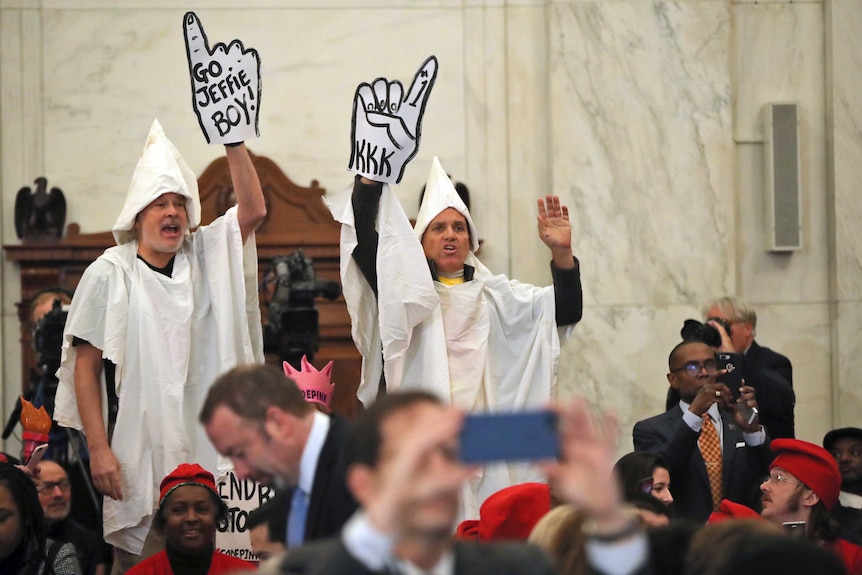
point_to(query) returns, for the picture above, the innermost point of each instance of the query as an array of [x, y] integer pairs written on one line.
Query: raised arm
[[104, 466], [251, 209], [556, 232], [365, 200]]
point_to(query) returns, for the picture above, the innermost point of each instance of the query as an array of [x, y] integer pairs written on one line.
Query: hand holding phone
[[748, 412], [732, 363], [795, 528], [36, 457]]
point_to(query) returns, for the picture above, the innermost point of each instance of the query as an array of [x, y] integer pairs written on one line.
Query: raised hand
[[387, 124], [556, 231], [421, 466], [225, 85], [584, 475], [553, 221]]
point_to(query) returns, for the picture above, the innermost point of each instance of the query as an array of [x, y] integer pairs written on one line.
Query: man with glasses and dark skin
[[736, 450], [767, 371], [845, 445], [55, 496]]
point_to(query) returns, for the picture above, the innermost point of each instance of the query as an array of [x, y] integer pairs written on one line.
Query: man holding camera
[[735, 324], [403, 468], [712, 449]]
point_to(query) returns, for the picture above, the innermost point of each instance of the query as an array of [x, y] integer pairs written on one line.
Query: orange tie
[[710, 450]]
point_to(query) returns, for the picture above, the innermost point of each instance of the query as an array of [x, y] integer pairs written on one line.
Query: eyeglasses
[[693, 368], [645, 485], [777, 477], [49, 486]]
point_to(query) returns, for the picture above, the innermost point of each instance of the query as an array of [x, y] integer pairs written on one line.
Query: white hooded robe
[[486, 345], [169, 337]]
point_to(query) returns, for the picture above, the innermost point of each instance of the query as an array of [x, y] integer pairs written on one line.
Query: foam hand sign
[[225, 85], [387, 124]]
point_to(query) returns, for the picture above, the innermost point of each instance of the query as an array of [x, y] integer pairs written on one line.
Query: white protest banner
[[241, 497], [387, 124], [225, 85]]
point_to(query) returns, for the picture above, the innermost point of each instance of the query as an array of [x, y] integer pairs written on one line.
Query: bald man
[[55, 496]]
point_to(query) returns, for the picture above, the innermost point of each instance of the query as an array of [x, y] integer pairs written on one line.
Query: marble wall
[[643, 116]]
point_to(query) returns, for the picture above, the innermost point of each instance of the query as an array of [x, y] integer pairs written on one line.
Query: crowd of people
[[162, 370]]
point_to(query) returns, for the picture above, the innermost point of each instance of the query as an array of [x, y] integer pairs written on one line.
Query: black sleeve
[[365, 201], [776, 401], [568, 295]]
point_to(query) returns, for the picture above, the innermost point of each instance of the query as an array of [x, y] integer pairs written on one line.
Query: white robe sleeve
[[98, 315], [382, 327], [231, 271]]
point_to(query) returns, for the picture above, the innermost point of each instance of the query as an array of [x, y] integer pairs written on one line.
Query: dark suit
[[771, 376], [850, 520], [88, 545], [330, 503], [668, 436], [330, 557]]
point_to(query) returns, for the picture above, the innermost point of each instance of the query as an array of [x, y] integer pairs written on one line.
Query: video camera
[[293, 328], [693, 330], [48, 338], [48, 344]]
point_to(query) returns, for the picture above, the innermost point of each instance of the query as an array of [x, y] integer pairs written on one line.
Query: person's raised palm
[[553, 222]]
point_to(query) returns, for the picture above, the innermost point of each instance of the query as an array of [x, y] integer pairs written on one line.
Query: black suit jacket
[[760, 358], [330, 503], [668, 436], [330, 557], [771, 376], [850, 520]]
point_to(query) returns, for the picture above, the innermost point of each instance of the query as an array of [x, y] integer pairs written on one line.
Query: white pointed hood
[[440, 194], [160, 170]]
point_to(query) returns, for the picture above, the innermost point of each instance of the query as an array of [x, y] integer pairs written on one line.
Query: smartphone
[[732, 362], [795, 528], [36, 456], [516, 436]]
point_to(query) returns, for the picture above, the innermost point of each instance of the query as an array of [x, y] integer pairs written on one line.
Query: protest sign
[[387, 124], [225, 85]]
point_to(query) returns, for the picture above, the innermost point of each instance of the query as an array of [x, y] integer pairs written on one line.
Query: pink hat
[[314, 384]]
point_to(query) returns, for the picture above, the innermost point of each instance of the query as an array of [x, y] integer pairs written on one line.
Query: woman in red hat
[[189, 509]]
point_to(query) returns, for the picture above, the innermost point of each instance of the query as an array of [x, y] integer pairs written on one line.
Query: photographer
[[44, 303], [730, 328], [712, 451], [48, 316]]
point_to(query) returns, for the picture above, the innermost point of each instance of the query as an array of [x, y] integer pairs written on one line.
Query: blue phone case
[[519, 436]]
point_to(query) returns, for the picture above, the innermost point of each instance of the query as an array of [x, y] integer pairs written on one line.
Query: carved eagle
[[40, 214]]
